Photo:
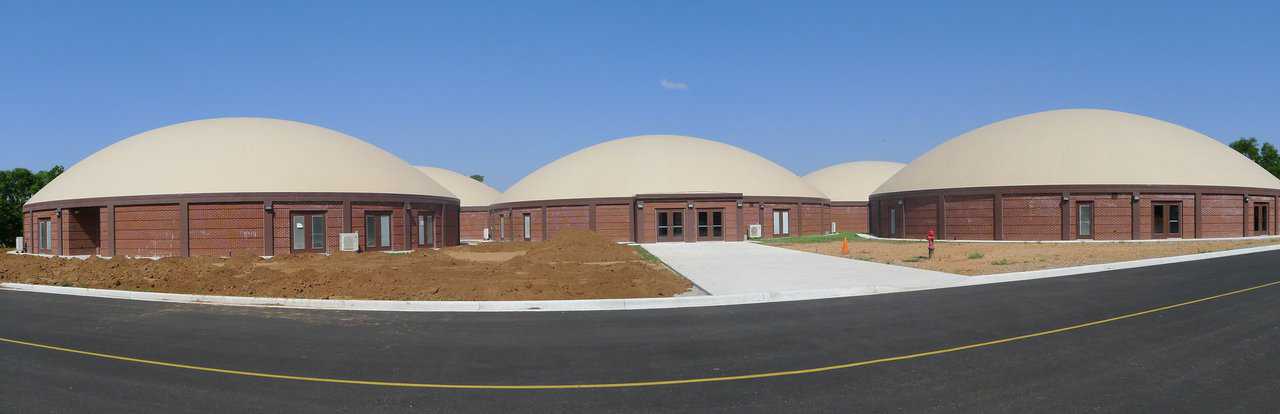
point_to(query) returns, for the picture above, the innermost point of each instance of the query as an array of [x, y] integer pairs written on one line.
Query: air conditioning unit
[[349, 242], [486, 233], [755, 231], [18, 243]]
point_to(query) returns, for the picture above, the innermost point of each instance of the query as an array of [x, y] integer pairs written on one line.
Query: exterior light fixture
[[1066, 197], [1136, 197], [640, 205], [900, 202], [690, 204], [267, 206], [739, 203]]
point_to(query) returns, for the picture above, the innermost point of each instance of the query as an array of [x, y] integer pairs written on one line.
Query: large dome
[[1080, 147], [852, 181], [238, 155], [471, 193], [658, 164]]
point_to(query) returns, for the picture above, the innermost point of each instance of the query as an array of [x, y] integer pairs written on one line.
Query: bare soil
[[991, 258], [576, 265]]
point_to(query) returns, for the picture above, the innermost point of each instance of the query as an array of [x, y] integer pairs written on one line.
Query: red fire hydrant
[[930, 238]]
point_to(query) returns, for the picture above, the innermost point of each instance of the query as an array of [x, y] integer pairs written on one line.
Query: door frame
[[370, 232], [307, 231], [777, 219], [1093, 219], [1168, 218], [1265, 218], [709, 227], [671, 227]]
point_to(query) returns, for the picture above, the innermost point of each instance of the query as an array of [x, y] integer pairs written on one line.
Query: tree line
[[1265, 155], [16, 187]]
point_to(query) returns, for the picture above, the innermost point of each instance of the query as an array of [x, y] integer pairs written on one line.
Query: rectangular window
[[704, 224], [893, 222], [46, 236], [377, 228], [1260, 219], [1084, 220], [317, 232], [528, 226], [422, 230], [431, 230], [781, 222], [502, 227], [299, 232]]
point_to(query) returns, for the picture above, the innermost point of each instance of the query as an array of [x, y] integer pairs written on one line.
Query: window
[[422, 230], [1084, 220], [893, 222], [377, 228], [502, 227], [528, 226], [307, 232], [46, 236], [1260, 224], [781, 222], [431, 230]]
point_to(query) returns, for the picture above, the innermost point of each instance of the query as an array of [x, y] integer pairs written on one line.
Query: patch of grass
[[914, 259], [811, 239], [976, 255], [1001, 262], [644, 254]]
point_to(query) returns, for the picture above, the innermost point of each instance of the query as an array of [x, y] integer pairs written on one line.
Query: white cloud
[[673, 86]]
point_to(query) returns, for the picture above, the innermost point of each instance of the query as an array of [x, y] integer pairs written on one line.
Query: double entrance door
[[1166, 220], [671, 225]]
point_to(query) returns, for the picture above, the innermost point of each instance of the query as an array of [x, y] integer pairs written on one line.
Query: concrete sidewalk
[[727, 268]]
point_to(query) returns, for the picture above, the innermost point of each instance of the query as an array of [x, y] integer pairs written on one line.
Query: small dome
[[658, 164], [1080, 147], [471, 193], [238, 155], [852, 181]]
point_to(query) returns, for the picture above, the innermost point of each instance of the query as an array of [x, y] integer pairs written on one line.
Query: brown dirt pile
[[564, 270], [991, 258]]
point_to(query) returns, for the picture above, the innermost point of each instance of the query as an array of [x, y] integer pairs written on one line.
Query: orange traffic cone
[[844, 247]]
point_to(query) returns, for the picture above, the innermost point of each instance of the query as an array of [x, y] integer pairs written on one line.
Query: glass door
[[1084, 221], [1166, 220], [670, 225], [377, 228], [711, 224], [307, 231], [781, 223]]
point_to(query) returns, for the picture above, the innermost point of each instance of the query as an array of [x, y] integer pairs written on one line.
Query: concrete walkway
[[727, 268]]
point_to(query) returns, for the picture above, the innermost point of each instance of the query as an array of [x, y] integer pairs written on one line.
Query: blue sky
[[501, 89]]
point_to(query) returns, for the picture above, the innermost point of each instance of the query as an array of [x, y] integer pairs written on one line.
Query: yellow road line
[[638, 383]]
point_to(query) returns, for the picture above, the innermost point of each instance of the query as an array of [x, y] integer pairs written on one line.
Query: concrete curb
[[600, 304], [870, 237]]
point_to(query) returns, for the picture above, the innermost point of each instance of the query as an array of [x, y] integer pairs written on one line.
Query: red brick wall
[[751, 214], [815, 220], [1036, 217], [104, 231], [26, 232], [1112, 218], [614, 221], [1223, 216], [922, 216], [283, 232], [515, 224], [82, 231], [970, 218], [226, 229], [850, 218], [567, 217], [358, 211], [473, 224], [148, 231]]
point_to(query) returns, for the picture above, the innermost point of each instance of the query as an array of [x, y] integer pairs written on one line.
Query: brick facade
[[473, 224], [850, 218], [1042, 216]]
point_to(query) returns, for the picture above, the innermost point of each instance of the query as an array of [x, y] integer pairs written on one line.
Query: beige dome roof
[[470, 192], [852, 181], [238, 155], [1079, 147], [657, 164]]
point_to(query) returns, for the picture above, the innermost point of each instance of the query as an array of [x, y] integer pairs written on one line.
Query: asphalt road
[[1216, 355]]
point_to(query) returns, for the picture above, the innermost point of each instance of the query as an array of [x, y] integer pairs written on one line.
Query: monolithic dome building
[[849, 186], [1078, 174], [238, 186], [660, 188], [475, 198]]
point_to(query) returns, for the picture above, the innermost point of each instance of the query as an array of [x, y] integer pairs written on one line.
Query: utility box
[[755, 231], [349, 242], [486, 233], [19, 244]]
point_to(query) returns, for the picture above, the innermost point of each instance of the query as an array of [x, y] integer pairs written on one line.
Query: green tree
[[16, 187], [477, 177], [1265, 155]]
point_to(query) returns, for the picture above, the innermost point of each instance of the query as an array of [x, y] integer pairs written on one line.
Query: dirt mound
[[569, 267]]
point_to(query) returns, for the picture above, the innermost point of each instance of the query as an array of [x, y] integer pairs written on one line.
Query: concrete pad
[[728, 268]]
